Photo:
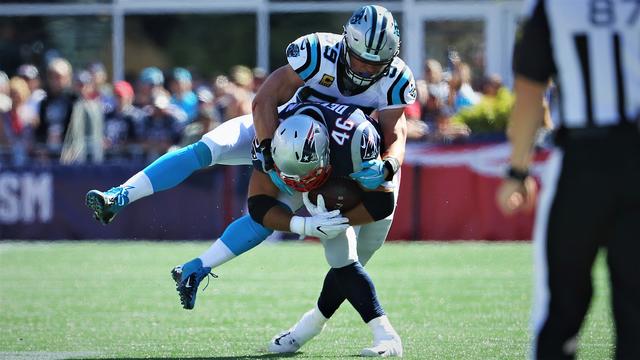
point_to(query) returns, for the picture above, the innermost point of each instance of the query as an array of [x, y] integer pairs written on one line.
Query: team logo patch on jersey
[[293, 50], [369, 145], [413, 93], [327, 80]]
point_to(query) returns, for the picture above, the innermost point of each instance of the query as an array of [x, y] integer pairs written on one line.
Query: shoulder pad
[[304, 56], [402, 88]]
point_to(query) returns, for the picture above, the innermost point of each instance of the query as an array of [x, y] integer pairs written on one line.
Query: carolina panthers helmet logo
[[309, 153], [369, 145], [357, 17]]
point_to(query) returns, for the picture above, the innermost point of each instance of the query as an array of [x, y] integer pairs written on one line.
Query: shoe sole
[[184, 297], [95, 201]]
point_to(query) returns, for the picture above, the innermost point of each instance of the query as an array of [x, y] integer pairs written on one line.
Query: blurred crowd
[[72, 117]]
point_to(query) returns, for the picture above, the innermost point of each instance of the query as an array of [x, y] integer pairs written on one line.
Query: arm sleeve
[[304, 56], [533, 57]]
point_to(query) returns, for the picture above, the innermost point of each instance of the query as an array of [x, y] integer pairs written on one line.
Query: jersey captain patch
[[327, 80]]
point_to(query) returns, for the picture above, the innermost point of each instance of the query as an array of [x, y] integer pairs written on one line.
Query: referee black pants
[[590, 200]]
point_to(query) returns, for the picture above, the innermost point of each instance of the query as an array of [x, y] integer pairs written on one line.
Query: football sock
[[173, 168], [244, 234], [138, 186], [381, 328], [358, 288], [331, 296], [309, 325], [217, 254]]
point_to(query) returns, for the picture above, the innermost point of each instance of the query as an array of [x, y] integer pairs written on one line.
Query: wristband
[[392, 165], [296, 225], [518, 175]]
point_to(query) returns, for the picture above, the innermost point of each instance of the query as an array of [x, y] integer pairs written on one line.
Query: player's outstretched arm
[[279, 87]]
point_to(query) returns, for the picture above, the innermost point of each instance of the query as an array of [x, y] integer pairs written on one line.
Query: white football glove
[[325, 225], [314, 209]]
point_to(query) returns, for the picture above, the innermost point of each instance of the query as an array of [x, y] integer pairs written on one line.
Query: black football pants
[[591, 200]]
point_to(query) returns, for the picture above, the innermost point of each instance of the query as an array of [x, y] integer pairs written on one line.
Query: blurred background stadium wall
[[220, 51]]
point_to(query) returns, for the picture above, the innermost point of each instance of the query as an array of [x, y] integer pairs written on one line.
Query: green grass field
[[116, 300]]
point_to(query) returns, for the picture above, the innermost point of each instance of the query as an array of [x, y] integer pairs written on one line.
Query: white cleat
[[310, 325], [384, 348], [284, 343]]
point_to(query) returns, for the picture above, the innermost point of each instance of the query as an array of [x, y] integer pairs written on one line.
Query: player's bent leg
[[310, 324], [239, 237], [164, 173], [230, 143]]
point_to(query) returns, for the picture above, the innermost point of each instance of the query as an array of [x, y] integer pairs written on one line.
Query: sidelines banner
[[48, 203], [448, 193]]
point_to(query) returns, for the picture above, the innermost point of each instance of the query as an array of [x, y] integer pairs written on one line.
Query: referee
[[591, 194]]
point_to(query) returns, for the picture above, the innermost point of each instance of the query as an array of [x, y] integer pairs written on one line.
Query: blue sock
[[173, 168], [244, 234], [356, 286]]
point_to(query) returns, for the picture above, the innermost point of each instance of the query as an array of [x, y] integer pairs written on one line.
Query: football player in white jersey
[[359, 67]]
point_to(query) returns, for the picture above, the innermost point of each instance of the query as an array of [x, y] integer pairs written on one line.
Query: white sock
[[310, 325], [138, 186], [381, 328], [217, 254]]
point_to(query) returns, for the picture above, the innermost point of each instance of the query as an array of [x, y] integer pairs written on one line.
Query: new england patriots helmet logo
[[369, 145], [309, 153]]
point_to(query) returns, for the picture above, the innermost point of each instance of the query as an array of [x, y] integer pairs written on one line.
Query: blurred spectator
[[461, 93], [16, 125], [182, 93], [259, 76], [103, 90], [220, 87], [151, 78], [206, 118], [83, 138], [491, 113], [448, 131], [239, 92], [31, 75], [5, 100], [160, 129], [55, 108], [122, 124]]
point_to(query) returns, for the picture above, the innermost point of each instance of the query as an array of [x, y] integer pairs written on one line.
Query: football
[[339, 193]]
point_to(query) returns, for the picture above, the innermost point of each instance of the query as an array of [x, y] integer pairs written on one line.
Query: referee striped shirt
[[592, 50]]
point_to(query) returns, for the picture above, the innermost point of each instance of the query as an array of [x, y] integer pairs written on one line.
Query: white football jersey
[[316, 59]]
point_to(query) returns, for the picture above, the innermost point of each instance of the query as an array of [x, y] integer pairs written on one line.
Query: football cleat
[[188, 277], [384, 348], [284, 343], [311, 324], [106, 205]]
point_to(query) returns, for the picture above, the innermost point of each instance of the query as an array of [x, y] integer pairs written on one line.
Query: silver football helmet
[[300, 150], [372, 37]]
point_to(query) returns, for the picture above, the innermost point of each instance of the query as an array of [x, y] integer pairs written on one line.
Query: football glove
[[314, 209], [324, 226], [264, 155], [372, 174]]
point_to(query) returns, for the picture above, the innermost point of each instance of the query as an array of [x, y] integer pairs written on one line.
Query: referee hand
[[514, 196]]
